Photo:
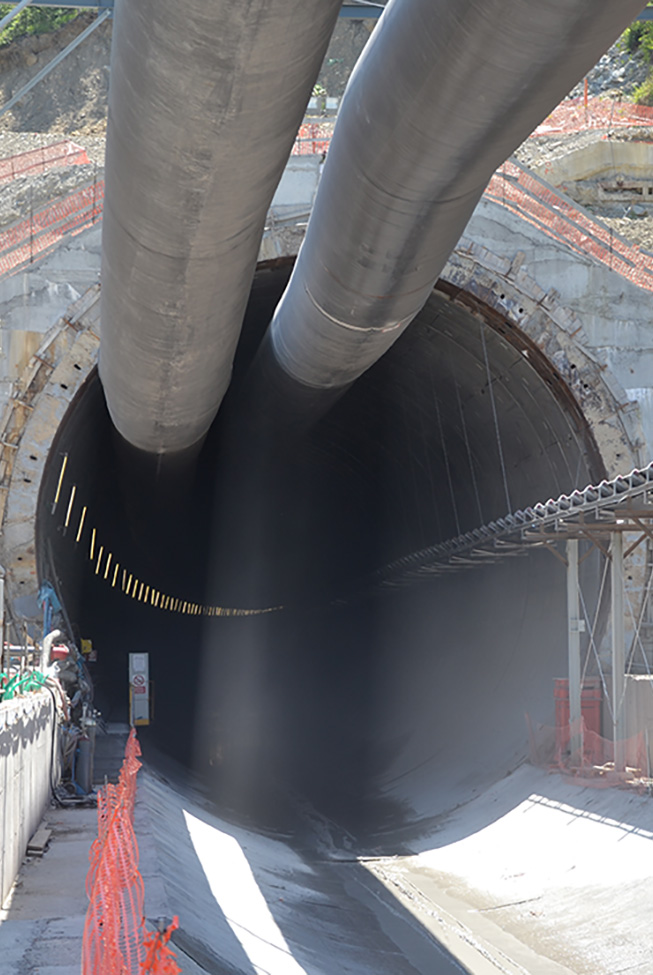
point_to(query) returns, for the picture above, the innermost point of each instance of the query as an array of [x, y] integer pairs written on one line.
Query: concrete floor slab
[[539, 875], [555, 875], [42, 921]]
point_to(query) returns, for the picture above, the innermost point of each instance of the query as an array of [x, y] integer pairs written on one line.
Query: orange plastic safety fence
[[312, 139], [31, 238], [159, 959], [587, 755], [537, 202], [524, 194], [114, 940], [35, 161], [600, 113]]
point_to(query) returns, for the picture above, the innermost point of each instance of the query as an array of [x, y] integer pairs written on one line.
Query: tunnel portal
[[381, 708]]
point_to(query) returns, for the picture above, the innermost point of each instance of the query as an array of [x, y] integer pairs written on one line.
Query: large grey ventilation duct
[[206, 98], [444, 91]]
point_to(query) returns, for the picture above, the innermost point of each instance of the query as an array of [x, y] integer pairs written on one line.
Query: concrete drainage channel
[[485, 893]]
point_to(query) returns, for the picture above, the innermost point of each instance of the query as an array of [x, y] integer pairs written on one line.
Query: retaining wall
[[27, 726]]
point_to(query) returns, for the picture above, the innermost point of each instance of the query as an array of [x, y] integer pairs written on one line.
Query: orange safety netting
[[313, 139], [35, 161], [115, 942], [535, 201], [31, 238], [573, 115], [519, 191], [159, 958], [588, 756]]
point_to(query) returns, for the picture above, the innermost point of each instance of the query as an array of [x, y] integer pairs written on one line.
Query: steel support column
[[618, 651], [573, 644]]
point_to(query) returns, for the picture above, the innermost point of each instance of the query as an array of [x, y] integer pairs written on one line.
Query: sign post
[[139, 689]]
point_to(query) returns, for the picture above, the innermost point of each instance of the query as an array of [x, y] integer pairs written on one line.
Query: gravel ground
[[72, 101], [13, 143], [29, 194], [537, 151], [348, 40], [638, 230]]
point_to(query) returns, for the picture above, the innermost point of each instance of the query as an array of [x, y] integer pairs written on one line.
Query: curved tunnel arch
[[382, 710]]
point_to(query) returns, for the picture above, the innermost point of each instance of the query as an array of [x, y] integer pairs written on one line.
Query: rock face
[[617, 70]]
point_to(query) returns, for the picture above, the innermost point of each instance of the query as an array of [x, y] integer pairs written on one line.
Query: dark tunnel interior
[[381, 708]]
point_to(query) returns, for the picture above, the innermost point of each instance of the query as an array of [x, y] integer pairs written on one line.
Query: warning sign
[[139, 696]]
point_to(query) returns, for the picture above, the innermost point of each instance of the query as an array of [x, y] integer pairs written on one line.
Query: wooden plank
[[39, 842]]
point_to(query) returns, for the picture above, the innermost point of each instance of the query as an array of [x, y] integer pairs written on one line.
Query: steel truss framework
[[590, 513]]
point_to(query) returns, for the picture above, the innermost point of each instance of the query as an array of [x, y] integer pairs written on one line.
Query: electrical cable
[[467, 446], [55, 798], [495, 417], [447, 468]]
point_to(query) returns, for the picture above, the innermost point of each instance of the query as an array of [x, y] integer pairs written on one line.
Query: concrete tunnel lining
[[405, 705]]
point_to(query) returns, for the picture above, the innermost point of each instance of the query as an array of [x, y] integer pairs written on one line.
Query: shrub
[[643, 94], [632, 36], [33, 20]]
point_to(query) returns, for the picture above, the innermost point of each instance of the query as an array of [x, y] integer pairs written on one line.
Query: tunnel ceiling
[[456, 424]]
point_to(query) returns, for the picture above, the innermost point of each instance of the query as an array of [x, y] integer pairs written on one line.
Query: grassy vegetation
[[33, 20], [643, 94], [639, 38]]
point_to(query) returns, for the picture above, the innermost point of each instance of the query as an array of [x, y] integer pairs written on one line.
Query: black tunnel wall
[[380, 707]]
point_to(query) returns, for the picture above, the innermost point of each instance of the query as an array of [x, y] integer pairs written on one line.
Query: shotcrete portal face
[[381, 708]]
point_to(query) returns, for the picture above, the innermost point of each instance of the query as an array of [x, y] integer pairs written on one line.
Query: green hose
[[31, 681]]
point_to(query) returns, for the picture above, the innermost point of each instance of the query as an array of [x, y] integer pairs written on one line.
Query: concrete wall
[[33, 299], [613, 314], [26, 730], [298, 185], [600, 159]]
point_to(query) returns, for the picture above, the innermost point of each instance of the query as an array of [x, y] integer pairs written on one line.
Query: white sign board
[[139, 689]]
